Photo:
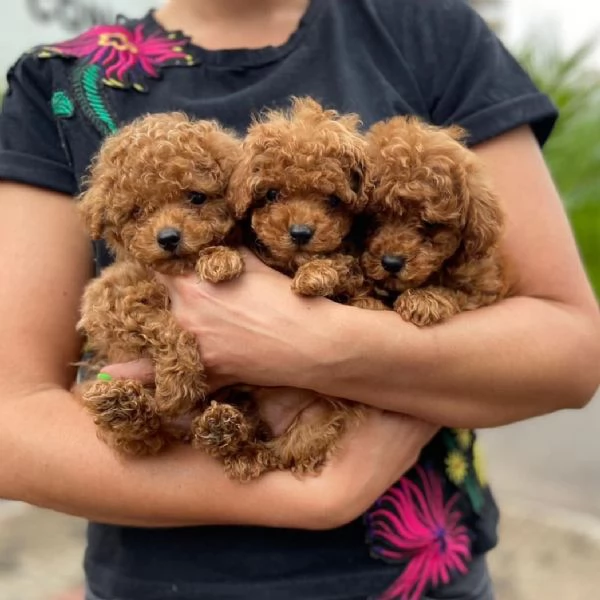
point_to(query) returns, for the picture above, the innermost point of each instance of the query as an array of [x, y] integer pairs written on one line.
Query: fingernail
[[104, 377]]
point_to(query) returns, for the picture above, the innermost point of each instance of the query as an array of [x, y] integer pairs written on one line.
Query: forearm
[[52, 458], [520, 358]]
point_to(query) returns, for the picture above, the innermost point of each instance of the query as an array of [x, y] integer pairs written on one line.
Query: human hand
[[254, 329], [373, 456]]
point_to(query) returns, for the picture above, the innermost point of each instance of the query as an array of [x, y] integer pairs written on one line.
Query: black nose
[[301, 234], [168, 238], [392, 263]]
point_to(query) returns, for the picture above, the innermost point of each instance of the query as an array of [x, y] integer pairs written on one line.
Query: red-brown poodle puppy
[[300, 183], [433, 249], [155, 194]]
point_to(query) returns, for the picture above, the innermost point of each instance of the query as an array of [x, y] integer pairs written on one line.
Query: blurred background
[[545, 472]]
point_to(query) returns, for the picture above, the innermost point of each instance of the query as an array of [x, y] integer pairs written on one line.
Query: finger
[[140, 370], [253, 263]]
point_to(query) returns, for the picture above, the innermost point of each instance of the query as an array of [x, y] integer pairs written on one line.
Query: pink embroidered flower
[[125, 55], [414, 526]]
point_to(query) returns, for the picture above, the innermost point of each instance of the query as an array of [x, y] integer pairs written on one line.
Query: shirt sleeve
[[465, 73], [31, 151]]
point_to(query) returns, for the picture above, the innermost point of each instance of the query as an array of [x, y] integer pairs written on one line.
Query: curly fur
[[160, 173], [433, 210], [302, 167]]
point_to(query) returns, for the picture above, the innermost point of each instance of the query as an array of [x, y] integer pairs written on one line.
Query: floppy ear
[[360, 184], [92, 211], [484, 216], [239, 191]]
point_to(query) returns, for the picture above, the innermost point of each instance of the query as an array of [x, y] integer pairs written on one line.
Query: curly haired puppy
[[433, 248], [155, 194], [301, 181]]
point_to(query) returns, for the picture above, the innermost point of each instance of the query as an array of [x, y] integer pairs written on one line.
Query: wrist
[[330, 346], [360, 350]]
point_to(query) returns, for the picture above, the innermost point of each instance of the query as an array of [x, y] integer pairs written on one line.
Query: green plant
[[573, 151]]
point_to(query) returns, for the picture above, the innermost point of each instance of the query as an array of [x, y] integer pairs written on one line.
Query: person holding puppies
[[402, 511]]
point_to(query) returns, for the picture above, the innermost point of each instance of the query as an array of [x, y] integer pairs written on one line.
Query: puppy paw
[[219, 263], [221, 429], [423, 308], [123, 412], [316, 278]]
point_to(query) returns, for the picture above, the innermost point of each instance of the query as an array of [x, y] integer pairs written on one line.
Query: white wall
[[28, 23], [565, 22]]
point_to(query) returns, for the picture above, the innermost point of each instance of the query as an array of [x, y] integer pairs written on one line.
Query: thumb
[[252, 262], [140, 370]]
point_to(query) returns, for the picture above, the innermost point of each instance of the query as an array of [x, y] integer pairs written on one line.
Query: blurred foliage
[[573, 151]]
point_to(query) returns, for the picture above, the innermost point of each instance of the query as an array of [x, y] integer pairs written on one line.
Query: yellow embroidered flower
[[456, 467], [464, 437], [479, 464]]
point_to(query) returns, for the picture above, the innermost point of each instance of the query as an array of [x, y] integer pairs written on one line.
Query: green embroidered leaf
[[475, 493], [88, 89], [62, 105]]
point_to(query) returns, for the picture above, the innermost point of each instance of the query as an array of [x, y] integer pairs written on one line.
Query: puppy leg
[[311, 441], [233, 436], [180, 377], [221, 430], [219, 263], [429, 305], [124, 415], [336, 274]]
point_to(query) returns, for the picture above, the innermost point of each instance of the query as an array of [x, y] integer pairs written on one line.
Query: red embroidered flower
[[125, 55], [417, 528]]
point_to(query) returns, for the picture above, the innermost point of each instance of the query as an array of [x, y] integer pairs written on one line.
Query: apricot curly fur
[[431, 207], [305, 166], [161, 172]]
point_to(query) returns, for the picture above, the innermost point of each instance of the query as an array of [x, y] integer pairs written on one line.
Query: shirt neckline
[[244, 57]]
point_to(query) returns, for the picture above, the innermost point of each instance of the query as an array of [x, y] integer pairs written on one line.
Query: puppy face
[[429, 204], [404, 251], [301, 180], [156, 190]]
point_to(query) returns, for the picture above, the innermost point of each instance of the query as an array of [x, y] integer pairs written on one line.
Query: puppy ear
[[239, 192], [361, 184], [484, 216], [92, 213]]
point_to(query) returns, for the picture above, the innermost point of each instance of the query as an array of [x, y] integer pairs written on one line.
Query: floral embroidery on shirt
[[62, 105], [457, 467], [464, 464], [414, 525], [126, 57], [87, 86], [479, 464]]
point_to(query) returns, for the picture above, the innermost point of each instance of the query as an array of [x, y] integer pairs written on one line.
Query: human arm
[[51, 456], [531, 354]]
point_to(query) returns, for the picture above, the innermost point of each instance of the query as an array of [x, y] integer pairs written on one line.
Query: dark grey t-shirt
[[378, 58]]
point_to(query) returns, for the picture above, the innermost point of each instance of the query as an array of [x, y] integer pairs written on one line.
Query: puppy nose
[[168, 238], [393, 263], [301, 234]]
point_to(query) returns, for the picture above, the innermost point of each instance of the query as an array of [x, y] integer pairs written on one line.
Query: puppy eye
[[272, 195], [334, 201], [197, 198], [136, 213]]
